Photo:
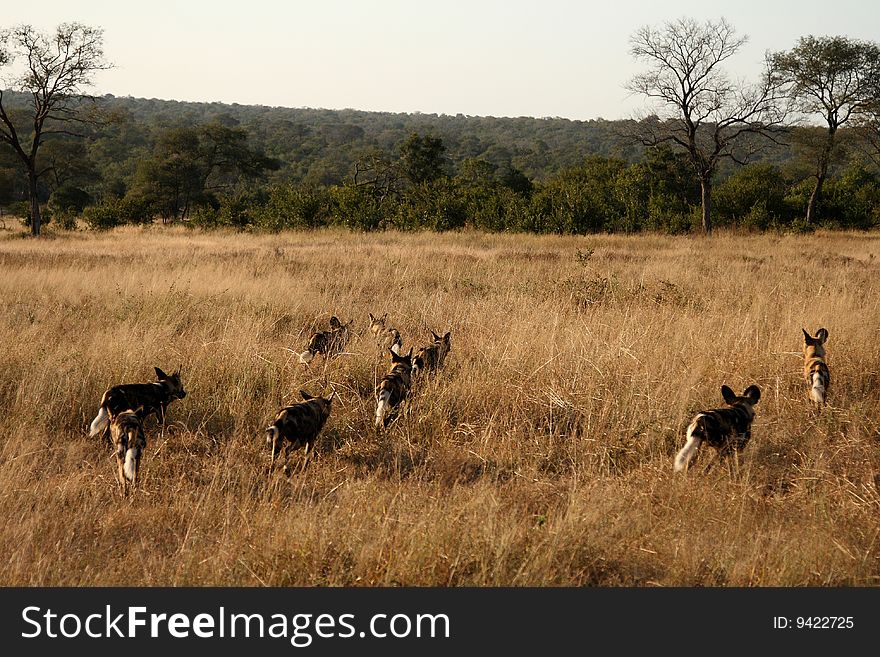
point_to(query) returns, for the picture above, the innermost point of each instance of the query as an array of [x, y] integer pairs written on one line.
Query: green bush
[[291, 206], [753, 197], [112, 212], [360, 208]]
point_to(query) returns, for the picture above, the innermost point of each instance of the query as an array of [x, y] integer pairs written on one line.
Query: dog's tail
[[382, 408], [691, 445], [271, 435], [817, 391], [132, 455], [100, 423], [306, 357]]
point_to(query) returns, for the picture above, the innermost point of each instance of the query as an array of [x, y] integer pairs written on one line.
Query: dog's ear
[[807, 337], [822, 334], [728, 394], [447, 336], [160, 374], [394, 357], [384, 317], [306, 396], [753, 393], [372, 319]]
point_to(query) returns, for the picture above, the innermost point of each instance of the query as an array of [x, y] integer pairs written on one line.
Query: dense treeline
[[210, 164]]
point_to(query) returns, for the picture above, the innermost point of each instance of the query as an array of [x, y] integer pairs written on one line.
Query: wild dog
[[328, 343], [299, 425], [393, 387], [386, 337], [431, 357], [129, 443], [152, 398], [727, 429], [816, 371]]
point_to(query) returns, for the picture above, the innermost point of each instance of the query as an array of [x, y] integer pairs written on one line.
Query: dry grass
[[541, 455]]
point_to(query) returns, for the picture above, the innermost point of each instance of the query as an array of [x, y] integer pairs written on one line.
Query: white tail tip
[[381, 409], [99, 423], [817, 392], [130, 467], [306, 357], [687, 452]]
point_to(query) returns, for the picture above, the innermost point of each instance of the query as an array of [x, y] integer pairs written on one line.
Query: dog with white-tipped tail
[[327, 343], [816, 371], [430, 358], [298, 426], [152, 398], [393, 388], [129, 443], [727, 429], [386, 337]]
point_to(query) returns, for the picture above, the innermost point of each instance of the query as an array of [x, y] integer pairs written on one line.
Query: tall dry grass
[[541, 454]]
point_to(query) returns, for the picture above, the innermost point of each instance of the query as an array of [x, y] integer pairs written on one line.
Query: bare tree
[[699, 108], [57, 68]]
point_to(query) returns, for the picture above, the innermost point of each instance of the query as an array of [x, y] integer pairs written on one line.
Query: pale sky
[[477, 57]]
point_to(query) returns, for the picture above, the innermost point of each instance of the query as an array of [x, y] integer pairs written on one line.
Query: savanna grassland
[[540, 455]]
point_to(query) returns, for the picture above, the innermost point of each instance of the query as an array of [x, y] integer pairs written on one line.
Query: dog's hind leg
[[162, 413], [720, 455]]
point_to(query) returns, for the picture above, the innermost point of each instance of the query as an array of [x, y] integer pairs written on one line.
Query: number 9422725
[[824, 622]]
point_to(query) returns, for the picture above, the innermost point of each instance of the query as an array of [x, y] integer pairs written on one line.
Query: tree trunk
[[35, 203], [821, 174], [706, 198], [814, 198]]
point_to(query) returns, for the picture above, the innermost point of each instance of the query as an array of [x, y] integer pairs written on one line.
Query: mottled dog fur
[[431, 357], [129, 443], [816, 371], [328, 343], [386, 336], [393, 387], [727, 429], [152, 398], [299, 425]]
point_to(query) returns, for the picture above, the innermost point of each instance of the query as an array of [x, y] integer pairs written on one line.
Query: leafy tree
[[853, 198], [422, 158], [58, 68], [190, 165], [707, 115], [835, 77]]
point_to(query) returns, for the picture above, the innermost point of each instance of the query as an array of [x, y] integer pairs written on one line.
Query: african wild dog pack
[[125, 407]]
